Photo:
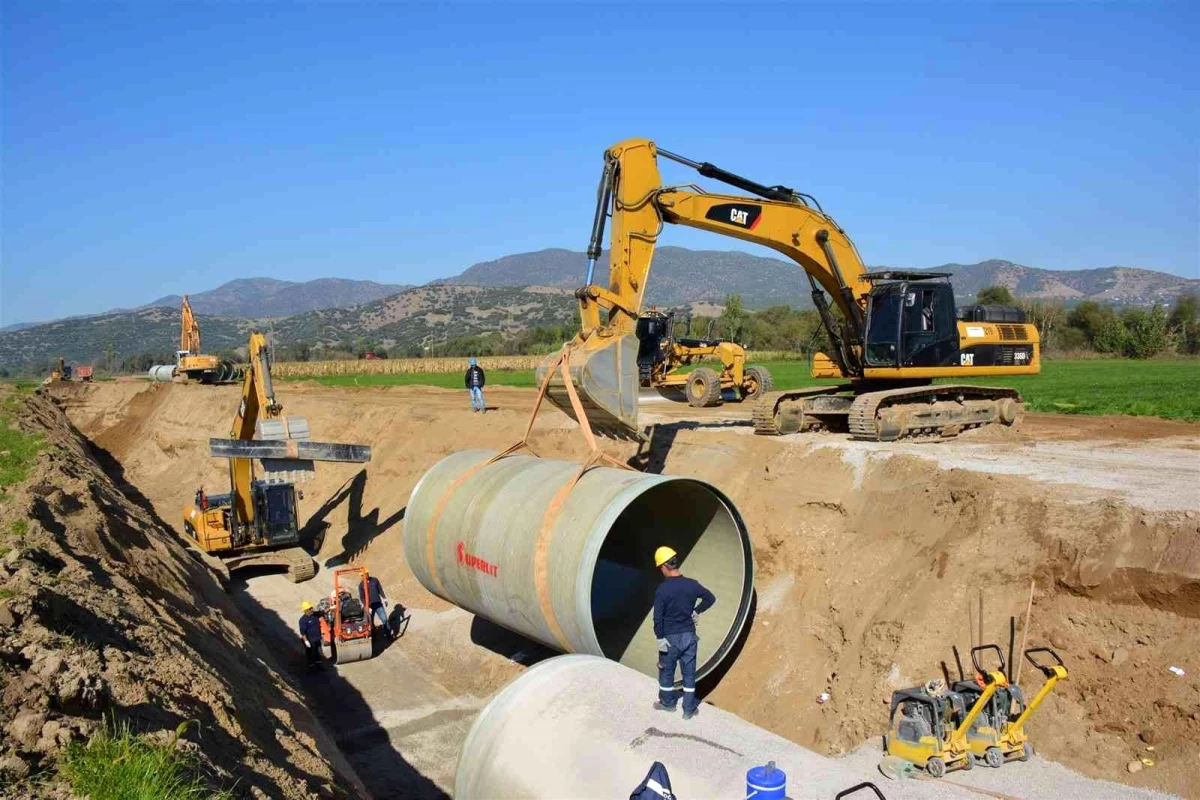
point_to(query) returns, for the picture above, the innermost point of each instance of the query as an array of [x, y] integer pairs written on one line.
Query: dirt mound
[[866, 562], [105, 615]]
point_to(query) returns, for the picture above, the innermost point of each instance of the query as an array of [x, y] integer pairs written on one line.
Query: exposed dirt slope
[[105, 613], [867, 564]]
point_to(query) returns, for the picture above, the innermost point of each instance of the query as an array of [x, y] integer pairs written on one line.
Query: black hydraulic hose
[[603, 197], [782, 193]]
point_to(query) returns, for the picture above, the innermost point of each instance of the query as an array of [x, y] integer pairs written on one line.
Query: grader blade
[[605, 379]]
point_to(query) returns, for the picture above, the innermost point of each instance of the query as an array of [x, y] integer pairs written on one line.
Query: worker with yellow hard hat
[[310, 635], [675, 614]]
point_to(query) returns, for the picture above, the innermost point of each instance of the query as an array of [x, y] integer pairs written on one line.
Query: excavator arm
[[631, 194], [258, 400], [189, 330]]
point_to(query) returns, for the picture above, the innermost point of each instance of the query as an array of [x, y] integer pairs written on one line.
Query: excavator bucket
[[604, 374]]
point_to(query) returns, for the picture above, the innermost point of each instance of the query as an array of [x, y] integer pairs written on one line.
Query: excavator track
[[766, 416], [930, 412]]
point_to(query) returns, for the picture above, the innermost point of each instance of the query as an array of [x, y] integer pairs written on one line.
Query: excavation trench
[[865, 563], [575, 571]]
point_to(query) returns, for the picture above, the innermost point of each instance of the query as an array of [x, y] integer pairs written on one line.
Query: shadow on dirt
[[504, 642], [337, 703], [361, 528], [652, 454]]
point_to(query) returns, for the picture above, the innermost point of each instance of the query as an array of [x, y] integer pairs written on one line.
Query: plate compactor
[[998, 735], [348, 624], [928, 724]]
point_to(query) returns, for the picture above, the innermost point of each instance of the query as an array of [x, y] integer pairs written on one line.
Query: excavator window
[[883, 326]]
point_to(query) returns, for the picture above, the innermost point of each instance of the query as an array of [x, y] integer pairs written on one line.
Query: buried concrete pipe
[[580, 578]]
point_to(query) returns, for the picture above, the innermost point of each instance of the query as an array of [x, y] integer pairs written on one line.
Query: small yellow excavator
[[897, 331], [662, 355], [255, 524], [190, 361]]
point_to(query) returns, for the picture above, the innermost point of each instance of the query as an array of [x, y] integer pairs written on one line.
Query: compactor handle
[[975, 651], [1046, 669], [857, 787]]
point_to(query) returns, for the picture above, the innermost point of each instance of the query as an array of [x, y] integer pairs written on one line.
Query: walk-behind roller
[[348, 621]]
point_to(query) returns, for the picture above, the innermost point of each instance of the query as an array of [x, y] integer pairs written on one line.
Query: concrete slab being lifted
[[292, 448]]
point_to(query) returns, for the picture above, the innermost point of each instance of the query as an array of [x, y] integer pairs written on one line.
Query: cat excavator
[[256, 524], [193, 364], [894, 331]]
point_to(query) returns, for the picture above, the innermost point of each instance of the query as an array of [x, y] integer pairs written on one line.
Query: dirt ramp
[[107, 615]]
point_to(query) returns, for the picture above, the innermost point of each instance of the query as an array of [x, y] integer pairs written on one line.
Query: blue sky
[[154, 148]]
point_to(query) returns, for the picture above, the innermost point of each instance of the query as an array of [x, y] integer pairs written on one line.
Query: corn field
[[397, 366], [411, 366]]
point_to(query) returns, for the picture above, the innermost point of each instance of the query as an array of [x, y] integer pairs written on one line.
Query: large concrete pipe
[[576, 573], [583, 727], [162, 372]]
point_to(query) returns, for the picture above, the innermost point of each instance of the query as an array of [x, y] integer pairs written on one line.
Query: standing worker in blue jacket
[[310, 634], [475, 380], [675, 614]]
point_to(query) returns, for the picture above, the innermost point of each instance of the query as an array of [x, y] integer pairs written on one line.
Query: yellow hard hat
[[305, 606], [662, 555]]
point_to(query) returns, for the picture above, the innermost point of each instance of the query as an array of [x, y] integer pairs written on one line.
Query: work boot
[[659, 706], [690, 714]]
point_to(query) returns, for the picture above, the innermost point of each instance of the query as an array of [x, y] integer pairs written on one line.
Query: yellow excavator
[[662, 355], [255, 524], [191, 363], [894, 332]]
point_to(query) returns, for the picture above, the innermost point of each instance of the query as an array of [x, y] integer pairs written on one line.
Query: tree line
[[1084, 328]]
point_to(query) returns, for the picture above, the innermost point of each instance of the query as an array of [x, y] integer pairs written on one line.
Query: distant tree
[[1111, 337], [1146, 334], [1047, 315], [300, 351], [995, 296], [1184, 324], [1067, 339], [732, 321]]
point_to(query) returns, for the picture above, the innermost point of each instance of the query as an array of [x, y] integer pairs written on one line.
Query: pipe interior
[[690, 518]]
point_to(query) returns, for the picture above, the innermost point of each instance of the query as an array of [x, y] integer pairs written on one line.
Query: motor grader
[[662, 355], [894, 332]]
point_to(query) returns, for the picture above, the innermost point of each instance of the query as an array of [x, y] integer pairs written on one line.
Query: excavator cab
[[911, 321]]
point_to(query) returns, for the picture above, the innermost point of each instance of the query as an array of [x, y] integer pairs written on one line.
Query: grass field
[[1166, 388]]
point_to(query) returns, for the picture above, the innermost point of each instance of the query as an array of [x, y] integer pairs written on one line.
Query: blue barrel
[[766, 783]]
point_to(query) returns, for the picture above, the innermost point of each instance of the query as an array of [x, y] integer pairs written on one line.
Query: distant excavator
[[895, 333], [255, 524], [191, 363]]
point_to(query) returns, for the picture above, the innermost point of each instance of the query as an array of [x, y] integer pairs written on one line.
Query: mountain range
[[269, 297], [506, 295]]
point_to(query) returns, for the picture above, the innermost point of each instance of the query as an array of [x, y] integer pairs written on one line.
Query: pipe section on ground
[[581, 726], [161, 372], [576, 573]]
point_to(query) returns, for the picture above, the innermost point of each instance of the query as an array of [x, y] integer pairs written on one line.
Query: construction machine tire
[[756, 383], [970, 762], [993, 757], [1026, 752], [935, 767], [704, 388]]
